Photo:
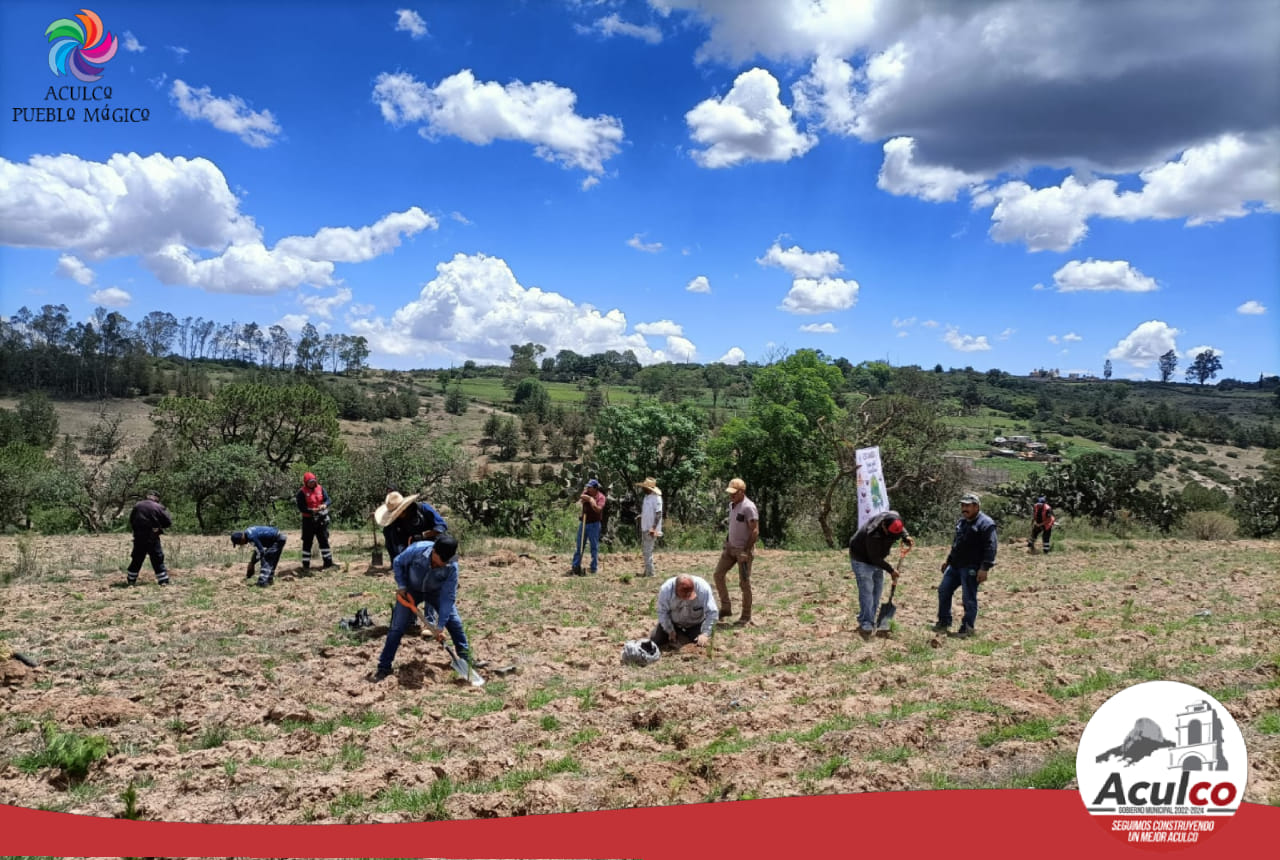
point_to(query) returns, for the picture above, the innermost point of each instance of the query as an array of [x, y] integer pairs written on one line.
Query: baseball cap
[[896, 527], [237, 538], [593, 483], [969, 499], [446, 546], [737, 485]]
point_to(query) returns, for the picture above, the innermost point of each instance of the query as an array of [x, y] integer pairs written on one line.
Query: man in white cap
[[739, 549], [405, 521], [650, 521], [973, 554]]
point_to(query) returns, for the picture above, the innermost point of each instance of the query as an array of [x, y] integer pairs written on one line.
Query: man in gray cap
[[973, 554]]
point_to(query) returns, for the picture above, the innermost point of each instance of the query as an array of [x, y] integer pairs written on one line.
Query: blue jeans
[[402, 617], [593, 539], [870, 589], [966, 579]]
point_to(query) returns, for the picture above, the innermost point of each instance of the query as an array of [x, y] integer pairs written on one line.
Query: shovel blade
[[463, 668], [887, 611]]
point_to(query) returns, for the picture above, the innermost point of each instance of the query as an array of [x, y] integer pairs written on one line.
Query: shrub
[[1209, 525], [71, 753]]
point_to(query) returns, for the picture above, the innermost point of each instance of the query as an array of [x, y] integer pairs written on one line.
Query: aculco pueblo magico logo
[[1161, 763], [80, 47]]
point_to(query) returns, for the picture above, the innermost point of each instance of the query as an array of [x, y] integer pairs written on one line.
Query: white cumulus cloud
[[324, 306], [1252, 308], [131, 43], [1143, 346], [613, 25], [700, 284], [475, 308], [800, 263], [749, 124], [409, 21], [355, 245], [680, 348], [820, 328], [111, 297], [231, 114], [819, 296], [662, 328], [900, 174], [542, 114], [71, 266], [965, 342], [1102, 276], [1190, 355], [733, 356]]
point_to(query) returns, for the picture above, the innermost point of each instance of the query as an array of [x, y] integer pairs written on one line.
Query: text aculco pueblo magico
[[96, 113]]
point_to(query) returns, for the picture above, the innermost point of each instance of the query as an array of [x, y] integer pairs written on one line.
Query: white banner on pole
[[873, 497]]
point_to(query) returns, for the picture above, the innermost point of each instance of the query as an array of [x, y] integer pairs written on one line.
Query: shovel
[[888, 610], [462, 667]]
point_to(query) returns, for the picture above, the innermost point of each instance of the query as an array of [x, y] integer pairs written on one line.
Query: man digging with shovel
[[426, 574], [869, 550]]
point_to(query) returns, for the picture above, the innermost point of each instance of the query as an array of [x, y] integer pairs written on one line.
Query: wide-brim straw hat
[[393, 507], [650, 484]]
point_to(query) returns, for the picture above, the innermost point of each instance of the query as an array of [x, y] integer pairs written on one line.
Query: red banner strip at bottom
[[990, 823]]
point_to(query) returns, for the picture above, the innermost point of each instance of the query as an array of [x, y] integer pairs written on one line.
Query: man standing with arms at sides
[[973, 554], [148, 520], [650, 521], [739, 549], [313, 502]]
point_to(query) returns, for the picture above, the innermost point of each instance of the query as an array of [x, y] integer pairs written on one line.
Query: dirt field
[[225, 703]]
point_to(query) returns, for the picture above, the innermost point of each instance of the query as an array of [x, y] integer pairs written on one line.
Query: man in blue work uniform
[[268, 543], [427, 572]]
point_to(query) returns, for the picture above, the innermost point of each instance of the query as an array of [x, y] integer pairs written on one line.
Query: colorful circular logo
[[80, 50], [1162, 765]]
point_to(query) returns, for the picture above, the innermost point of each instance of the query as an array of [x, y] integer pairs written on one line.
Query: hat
[[737, 485], [593, 483], [969, 499], [895, 527], [650, 484], [155, 495], [1040, 501], [393, 507], [237, 538], [308, 477], [446, 546]]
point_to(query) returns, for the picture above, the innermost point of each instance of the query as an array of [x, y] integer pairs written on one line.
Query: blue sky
[[987, 184]]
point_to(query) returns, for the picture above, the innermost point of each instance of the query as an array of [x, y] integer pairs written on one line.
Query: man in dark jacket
[[268, 544], [313, 502], [405, 520], [869, 550], [148, 520], [1042, 520], [973, 554]]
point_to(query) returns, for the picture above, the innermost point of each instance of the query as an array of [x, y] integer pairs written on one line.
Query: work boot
[[865, 634], [940, 627], [965, 632], [380, 674], [328, 563]]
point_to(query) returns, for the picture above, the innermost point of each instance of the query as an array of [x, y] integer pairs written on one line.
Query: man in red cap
[[313, 502], [868, 550]]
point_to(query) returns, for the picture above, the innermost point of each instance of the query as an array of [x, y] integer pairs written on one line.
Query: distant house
[[1019, 440]]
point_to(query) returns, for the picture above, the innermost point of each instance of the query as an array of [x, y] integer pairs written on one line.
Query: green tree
[[531, 396], [37, 419], [1205, 367], [778, 446], [1168, 364], [455, 402], [524, 362], [507, 439], [655, 439]]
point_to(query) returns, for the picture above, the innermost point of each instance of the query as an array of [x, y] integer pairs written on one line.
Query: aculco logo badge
[[80, 48], [1161, 763]]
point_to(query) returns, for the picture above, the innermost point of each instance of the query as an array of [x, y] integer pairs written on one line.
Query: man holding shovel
[[869, 550], [593, 501], [426, 573]]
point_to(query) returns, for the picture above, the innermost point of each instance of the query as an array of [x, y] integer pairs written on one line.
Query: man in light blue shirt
[[428, 572], [686, 611]]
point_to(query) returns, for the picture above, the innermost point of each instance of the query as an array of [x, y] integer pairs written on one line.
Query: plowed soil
[[227, 703]]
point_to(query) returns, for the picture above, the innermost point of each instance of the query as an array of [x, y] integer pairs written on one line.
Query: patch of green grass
[[515, 780], [549, 723], [1028, 730], [352, 755], [825, 770], [1269, 723], [543, 695], [1099, 679], [583, 736], [838, 723], [349, 801], [428, 805], [898, 712], [470, 710], [940, 781], [981, 647], [1057, 772], [213, 736], [894, 755]]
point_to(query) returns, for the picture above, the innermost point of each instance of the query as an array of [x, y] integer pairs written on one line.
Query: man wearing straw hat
[[650, 521], [405, 521]]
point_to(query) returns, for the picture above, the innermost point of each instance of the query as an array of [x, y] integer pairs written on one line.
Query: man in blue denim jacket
[[973, 554], [427, 572]]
